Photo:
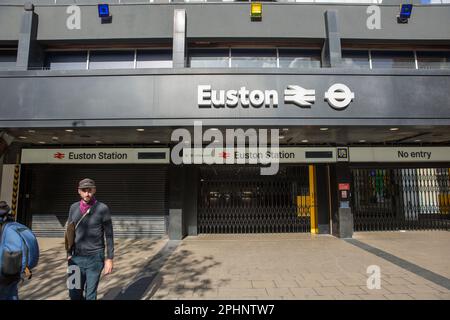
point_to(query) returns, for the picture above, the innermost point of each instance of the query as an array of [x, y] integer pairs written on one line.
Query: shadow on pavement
[[49, 277]]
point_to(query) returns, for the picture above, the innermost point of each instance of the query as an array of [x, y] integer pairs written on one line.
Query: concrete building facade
[[356, 98]]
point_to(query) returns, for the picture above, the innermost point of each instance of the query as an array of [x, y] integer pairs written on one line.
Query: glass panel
[[253, 58], [355, 59], [299, 58], [393, 59], [203, 58], [111, 60], [66, 60], [154, 59], [7, 59], [433, 60]]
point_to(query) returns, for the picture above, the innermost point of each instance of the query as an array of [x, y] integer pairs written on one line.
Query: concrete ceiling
[[306, 135]]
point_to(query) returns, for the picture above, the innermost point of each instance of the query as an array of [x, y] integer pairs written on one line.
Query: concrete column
[[345, 226], [179, 38], [342, 213], [331, 53], [176, 196], [323, 206], [191, 200], [29, 53], [7, 183], [183, 192], [5, 141], [176, 224]]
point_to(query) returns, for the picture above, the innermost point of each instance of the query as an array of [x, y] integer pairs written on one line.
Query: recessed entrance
[[238, 199], [408, 198]]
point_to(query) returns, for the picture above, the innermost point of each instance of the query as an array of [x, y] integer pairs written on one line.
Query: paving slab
[[322, 266], [49, 277], [262, 266], [428, 249]]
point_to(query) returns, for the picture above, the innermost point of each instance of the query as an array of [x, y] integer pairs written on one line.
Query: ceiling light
[[304, 140], [323, 129], [98, 141], [42, 142], [55, 138], [31, 131], [69, 130], [362, 141], [394, 129], [140, 130], [22, 137], [281, 137], [156, 141], [417, 140]]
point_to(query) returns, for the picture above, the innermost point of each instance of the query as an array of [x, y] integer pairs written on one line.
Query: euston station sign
[[237, 155], [243, 155], [96, 155], [338, 96]]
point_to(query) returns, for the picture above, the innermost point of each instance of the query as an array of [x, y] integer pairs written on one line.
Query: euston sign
[[338, 96], [242, 155], [96, 155]]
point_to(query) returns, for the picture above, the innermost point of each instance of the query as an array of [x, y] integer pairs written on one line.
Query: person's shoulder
[[102, 206], [74, 205], [73, 208]]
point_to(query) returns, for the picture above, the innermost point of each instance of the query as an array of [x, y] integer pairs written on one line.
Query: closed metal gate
[[136, 195], [401, 198], [240, 200]]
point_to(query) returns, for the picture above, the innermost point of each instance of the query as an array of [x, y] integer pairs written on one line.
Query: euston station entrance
[[136, 195], [132, 182], [401, 198], [238, 199], [321, 190]]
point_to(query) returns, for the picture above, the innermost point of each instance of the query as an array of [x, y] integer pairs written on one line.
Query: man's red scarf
[[84, 207]]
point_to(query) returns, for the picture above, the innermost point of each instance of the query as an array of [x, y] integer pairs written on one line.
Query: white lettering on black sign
[[207, 98], [338, 96]]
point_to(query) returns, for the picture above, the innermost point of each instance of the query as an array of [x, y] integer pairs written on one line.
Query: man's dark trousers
[[90, 270]]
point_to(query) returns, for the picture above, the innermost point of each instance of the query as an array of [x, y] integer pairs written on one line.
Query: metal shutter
[[136, 195]]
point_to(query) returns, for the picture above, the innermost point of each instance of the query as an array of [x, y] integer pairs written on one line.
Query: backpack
[[19, 251]]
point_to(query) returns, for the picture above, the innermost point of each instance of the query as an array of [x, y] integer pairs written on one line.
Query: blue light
[[405, 11], [103, 10]]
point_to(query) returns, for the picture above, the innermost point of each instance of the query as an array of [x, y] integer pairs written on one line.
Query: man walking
[[93, 225]]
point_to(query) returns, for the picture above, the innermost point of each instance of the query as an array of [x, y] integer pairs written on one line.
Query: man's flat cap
[[86, 183]]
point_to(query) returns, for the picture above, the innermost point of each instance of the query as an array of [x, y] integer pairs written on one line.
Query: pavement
[[413, 265]]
